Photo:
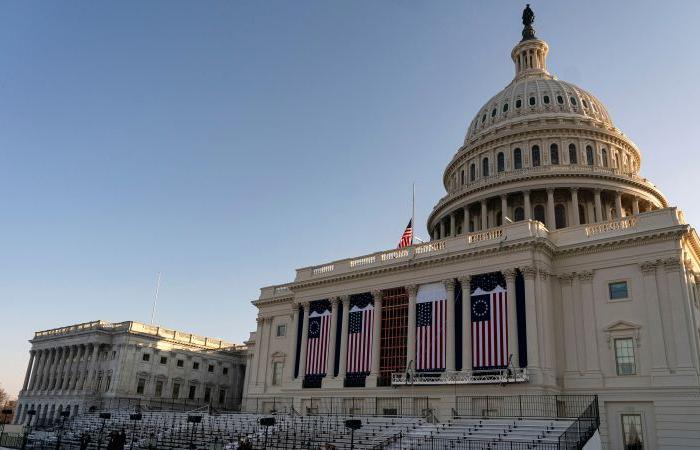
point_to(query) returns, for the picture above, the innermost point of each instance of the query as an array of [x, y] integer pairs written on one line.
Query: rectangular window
[[222, 396], [207, 394], [193, 391], [210, 368], [195, 365], [180, 363], [146, 357], [141, 386], [632, 436], [624, 356], [281, 330], [176, 390], [159, 388], [163, 359], [618, 290], [277, 367], [225, 370], [109, 382]]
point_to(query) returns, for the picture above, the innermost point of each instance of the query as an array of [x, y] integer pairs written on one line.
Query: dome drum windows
[[517, 159], [589, 155], [604, 157], [545, 99], [472, 172], [533, 101], [485, 167], [500, 162], [554, 154], [560, 99], [559, 216], [573, 157], [518, 103], [573, 101], [535, 156], [505, 107]]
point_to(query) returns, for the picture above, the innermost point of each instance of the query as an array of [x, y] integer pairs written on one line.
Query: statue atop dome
[[528, 20]]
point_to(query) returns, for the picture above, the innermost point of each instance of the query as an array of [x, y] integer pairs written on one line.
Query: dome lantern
[[530, 55]]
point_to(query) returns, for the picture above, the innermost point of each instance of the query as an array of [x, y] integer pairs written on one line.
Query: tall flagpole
[[155, 300], [413, 213]]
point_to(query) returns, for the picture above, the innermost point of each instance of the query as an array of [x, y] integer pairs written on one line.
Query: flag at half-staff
[[407, 237]]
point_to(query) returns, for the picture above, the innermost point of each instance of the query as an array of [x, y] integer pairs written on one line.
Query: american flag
[[489, 328], [407, 238], [360, 332], [431, 304], [317, 343]]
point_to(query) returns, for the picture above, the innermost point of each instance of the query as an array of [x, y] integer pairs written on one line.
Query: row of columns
[[66, 368], [412, 291], [440, 231]]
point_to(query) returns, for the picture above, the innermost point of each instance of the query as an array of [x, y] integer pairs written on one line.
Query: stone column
[[258, 350], [304, 340], [574, 207], [377, 334], [92, 372], [343, 366], [504, 208], [450, 325], [679, 313], [453, 224], [589, 321], [412, 291], [465, 224], [569, 316], [67, 367], [29, 370], [59, 367], [484, 216], [533, 354], [465, 282], [442, 228], [293, 343], [527, 206], [598, 206], [619, 213], [37, 368], [512, 314], [551, 223], [635, 205], [654, 315], [47, 368], [330, 357]]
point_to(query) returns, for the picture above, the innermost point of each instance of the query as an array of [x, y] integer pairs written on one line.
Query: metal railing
[[437, 443], [458, 377], [524, 406], [582, 429]]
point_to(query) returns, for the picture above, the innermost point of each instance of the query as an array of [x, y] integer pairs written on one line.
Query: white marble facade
[[97, 363]]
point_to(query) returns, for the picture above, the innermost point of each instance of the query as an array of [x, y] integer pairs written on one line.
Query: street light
[[104, 416], [353, 424], [266, 422], [193, 420], [134, 418]]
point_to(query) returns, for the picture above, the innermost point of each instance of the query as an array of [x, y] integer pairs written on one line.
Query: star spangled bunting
[[407, 237], [489, 317]]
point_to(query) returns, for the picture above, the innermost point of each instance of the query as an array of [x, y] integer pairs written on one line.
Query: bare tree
[[3, 396]]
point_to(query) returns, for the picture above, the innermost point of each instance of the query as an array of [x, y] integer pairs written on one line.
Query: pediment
[[279, 354], [622, 325]]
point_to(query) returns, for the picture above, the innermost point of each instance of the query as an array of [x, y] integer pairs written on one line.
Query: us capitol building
[[553, 267]]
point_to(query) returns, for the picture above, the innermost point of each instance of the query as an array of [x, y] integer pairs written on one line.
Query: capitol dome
[[541, 149]]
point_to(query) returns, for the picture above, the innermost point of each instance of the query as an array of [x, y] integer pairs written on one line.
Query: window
[[532, 101], [282, 329], [222, 396], [225, 371], [560, 99], [518, 103], [517, 159], [483, 118], [145, 357], [141, 386], [493, 112], [277, 373], [472, 172], [505, 107], [632, 434], [461, 179], [559, 216], [582, 214], [518, 214], [159, 389], [109, 382], [573, 157], [585, 104], [501, 162], [624, 356], [485, 167], [539, 213], [163, 359], [180, 363], [195, 365], [618, 290], [176, 390], [589, 155], [604, 157], [546, 99], [193, 391], [535, 155], [573, 100], [554, 154], [210, 369], [207, 394]]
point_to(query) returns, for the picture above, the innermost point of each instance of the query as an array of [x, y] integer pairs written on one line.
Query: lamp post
[[134, 418], [31, 413], [104, 417], [193, 420], [353, 424], [266, 422]]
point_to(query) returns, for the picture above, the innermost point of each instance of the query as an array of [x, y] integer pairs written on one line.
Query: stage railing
[[504, 376], [524, 406], [432, 442]]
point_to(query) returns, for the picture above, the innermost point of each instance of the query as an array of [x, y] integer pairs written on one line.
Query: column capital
[[526, 191], [334, 301], [449, 284], [566, 278], [260, 319], [550, 191], [344, 299], [509, 274], [504, 196], [306, 305], [377, 295], [649, 267], [412, 289], [528, 272], [464, 280], [586, 275], [544, 275], [672, 264], [574, 188]]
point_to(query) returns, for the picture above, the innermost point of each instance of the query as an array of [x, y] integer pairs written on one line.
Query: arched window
[[532, 101], [518, 214], [573, 157], [559, 216], [604, 157], [546, 99], [573, 100], [539, 213], [589, 155], [493, 112], [505, 107], [472, 172], [485, 167], [535, 155], [560, 99], [483, 118], [518, 103], [501, 162], [554, 154], [582, 214], [462, 177], [517, 159]]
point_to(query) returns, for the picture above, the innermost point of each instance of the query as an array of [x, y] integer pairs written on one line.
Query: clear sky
[[228, 143]]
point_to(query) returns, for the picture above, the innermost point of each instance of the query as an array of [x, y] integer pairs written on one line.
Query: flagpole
[[413, 212], [155, 300]]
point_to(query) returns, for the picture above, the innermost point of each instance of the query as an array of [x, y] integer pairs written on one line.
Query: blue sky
[[227, 143]]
